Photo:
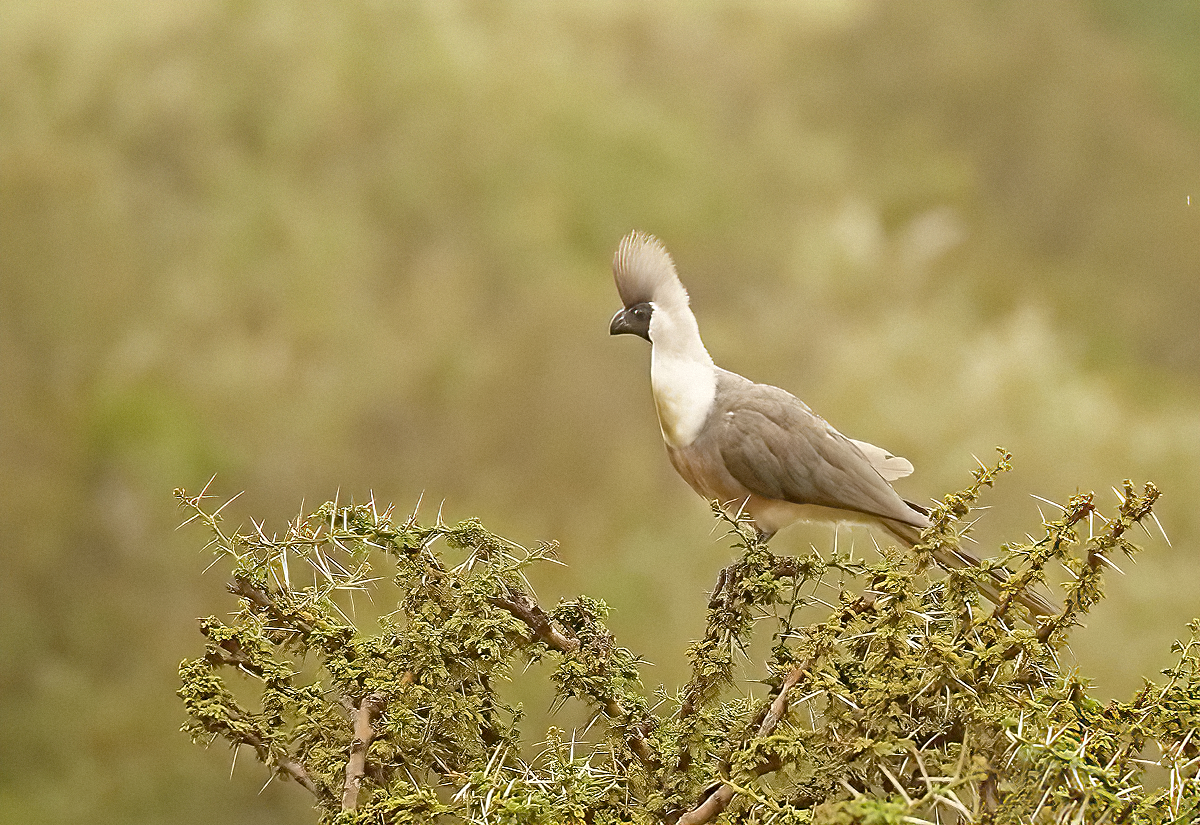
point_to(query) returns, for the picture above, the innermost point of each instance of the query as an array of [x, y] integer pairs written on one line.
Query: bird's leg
[[727, 579], [722, 592]]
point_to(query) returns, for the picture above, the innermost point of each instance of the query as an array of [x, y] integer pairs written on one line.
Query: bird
[[755, 449]]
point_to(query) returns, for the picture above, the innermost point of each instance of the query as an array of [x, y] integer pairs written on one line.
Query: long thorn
[[1154, 516], [226, 504], [1048, 501]]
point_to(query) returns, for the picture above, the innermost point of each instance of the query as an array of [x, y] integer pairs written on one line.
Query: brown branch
[[535, 618], [296, 771], [262, 599], [228, 652], [718, 799], [285, 763], [364, 734], [523, 607], [779, 707]]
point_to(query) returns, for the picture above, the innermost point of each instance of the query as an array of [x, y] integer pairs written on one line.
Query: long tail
[[956, 559]]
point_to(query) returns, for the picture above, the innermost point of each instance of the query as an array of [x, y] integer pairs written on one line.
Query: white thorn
[[1154, 516], [226, 504], [1048, 501]]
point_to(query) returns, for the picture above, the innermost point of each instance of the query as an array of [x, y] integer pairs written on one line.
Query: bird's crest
[[644, 271]]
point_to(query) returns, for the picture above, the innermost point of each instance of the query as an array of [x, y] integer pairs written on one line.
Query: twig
[[780, 705], [364, 734]]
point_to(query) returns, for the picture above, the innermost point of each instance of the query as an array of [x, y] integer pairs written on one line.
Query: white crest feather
[[644, 271]]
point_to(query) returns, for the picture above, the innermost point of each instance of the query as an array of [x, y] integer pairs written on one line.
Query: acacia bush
[[891, 693]]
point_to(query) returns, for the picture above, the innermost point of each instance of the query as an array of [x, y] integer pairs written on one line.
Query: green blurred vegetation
[[365, 245]]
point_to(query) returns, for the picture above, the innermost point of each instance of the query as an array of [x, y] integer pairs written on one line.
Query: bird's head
[[634, 320], [647, 282]]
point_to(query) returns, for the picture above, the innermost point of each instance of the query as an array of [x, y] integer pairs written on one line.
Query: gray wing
[[775, 446]]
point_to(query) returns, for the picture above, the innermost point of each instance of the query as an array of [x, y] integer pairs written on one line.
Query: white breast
[[684, 390]]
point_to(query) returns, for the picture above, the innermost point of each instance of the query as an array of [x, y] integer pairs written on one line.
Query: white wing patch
[[891, 467]]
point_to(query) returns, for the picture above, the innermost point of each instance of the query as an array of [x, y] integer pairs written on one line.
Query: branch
[[525, 608], [364, 734], [531, 613], [263, 600], [718, 800], [285, 763], [726, 607]]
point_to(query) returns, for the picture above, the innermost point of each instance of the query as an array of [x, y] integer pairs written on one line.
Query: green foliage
[[891, 696]]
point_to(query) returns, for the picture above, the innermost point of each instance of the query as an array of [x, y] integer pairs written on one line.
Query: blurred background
[[364, 246]]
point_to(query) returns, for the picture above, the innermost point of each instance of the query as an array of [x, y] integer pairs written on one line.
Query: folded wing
[[775, 446]]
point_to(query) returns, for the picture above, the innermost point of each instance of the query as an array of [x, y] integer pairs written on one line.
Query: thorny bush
[[894, 694]]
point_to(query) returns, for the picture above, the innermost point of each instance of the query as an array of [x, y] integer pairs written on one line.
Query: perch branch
[[724, 602]]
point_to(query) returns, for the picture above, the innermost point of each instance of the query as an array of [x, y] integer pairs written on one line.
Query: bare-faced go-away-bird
[[755, 449]]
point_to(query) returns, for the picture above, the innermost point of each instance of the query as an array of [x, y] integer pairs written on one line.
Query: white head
[[650, 289]]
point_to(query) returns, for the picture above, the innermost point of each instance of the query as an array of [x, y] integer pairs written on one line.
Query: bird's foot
[[724, 591]]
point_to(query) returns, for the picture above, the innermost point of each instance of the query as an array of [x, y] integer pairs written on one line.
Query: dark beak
[[619, 324]]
